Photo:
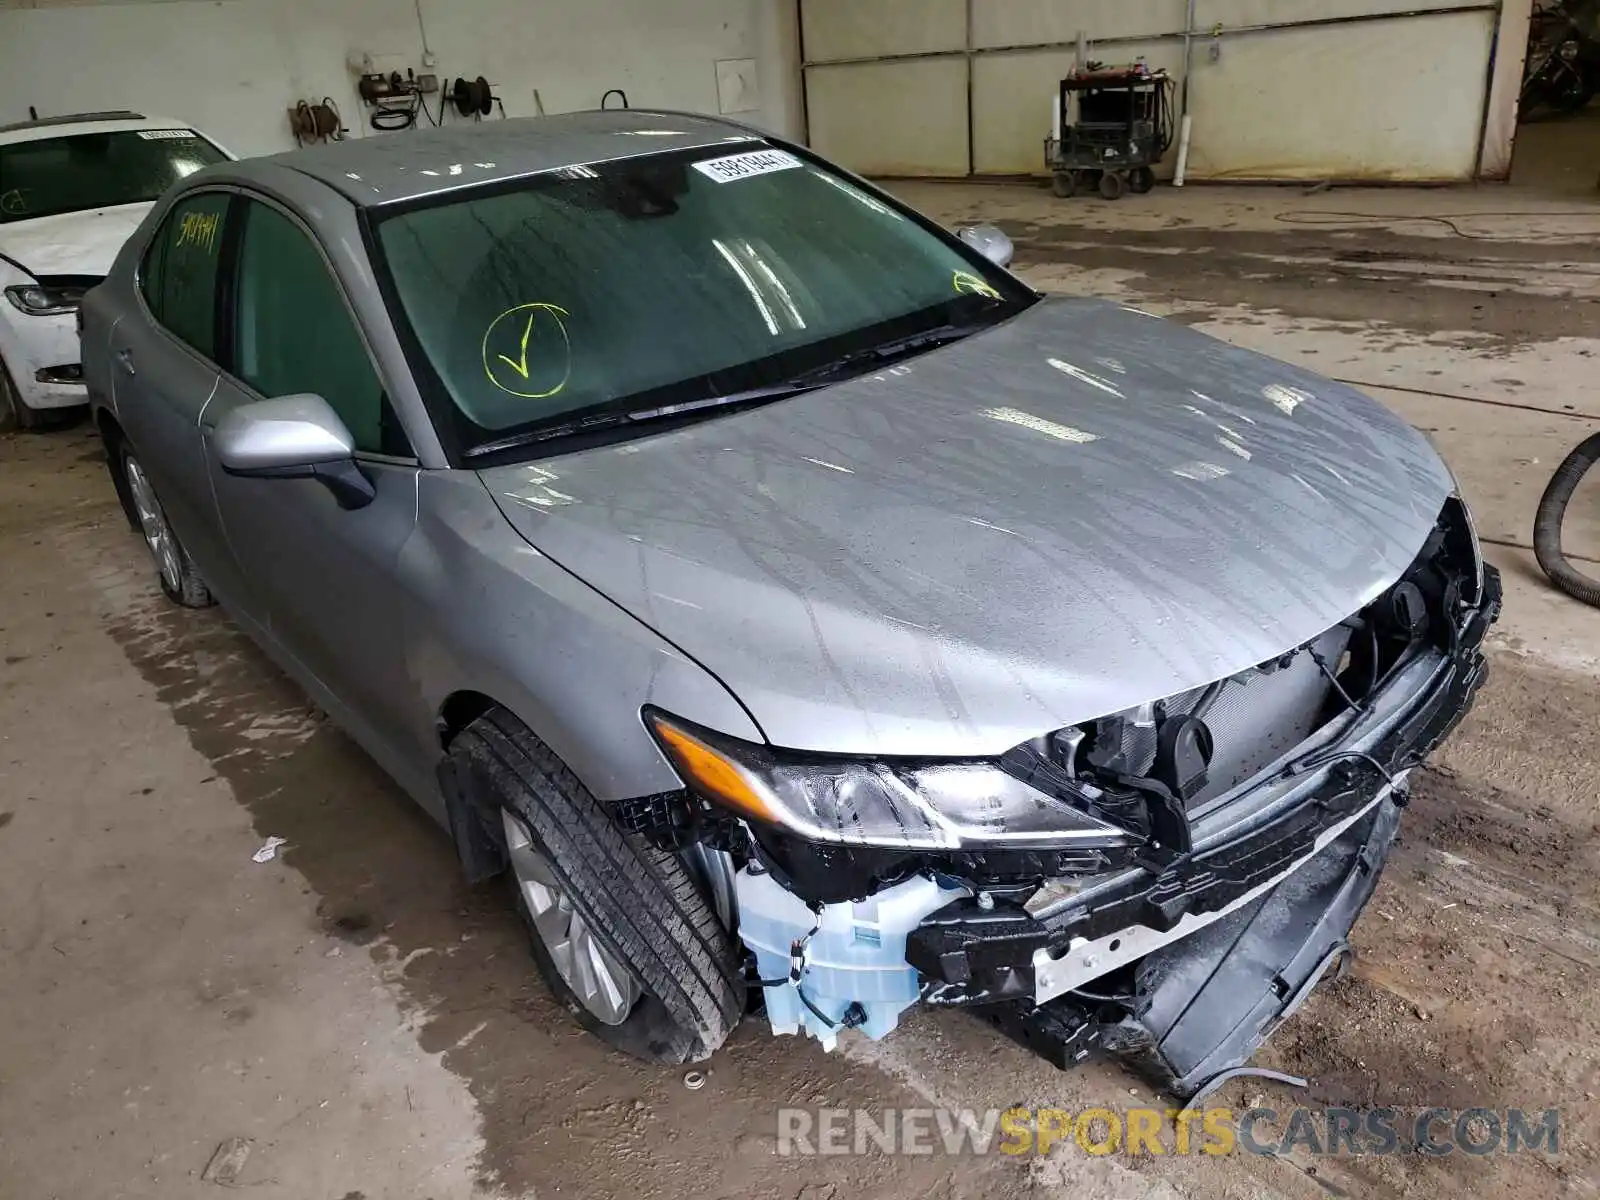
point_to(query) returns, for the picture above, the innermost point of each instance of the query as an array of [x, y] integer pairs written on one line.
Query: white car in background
[[71, 191]]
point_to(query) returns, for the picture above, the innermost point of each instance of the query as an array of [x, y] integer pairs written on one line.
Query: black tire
[[1112, 185], [14, 414], [1552, 511], [187, 587], [1064, 184], [1141, 180], [1573, 95], [638, 902]]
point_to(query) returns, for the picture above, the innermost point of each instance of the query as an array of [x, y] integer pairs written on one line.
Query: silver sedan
[[783, 595]]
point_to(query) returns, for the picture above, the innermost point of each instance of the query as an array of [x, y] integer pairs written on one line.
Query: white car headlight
[[43, 300]]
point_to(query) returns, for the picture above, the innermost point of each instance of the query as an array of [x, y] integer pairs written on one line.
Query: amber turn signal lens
[[711, 773]]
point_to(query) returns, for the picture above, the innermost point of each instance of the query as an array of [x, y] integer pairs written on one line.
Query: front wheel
[[619, 930], [14, 413], [1551, 515], [1573, 93]]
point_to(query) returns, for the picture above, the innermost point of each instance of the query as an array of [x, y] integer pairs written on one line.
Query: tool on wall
[[474, 98], [396, 100], [316, 121]]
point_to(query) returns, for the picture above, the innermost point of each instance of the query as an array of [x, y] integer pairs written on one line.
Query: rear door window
[[179, 276]]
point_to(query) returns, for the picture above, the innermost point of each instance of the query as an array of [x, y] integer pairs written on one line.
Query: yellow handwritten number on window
[[505, 350]]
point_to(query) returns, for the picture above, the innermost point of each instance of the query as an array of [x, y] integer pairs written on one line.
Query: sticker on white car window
[[160, 135], [742, 166]]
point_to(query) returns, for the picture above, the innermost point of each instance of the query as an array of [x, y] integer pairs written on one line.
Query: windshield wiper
[[885, 352], [547, 433], [597, 422], [805, 381], [756, 395]]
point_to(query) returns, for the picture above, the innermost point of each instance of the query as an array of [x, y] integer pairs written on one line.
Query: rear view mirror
[[293, 437], [990, 241]]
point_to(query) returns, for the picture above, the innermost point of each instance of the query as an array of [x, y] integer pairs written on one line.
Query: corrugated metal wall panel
[[892, 118], [868, 28], [1374, 100], [1283, 12], [1031, 22], [1369, 89]]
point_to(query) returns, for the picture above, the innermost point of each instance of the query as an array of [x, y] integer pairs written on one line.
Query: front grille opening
[[1234, 728], [1254, 718]]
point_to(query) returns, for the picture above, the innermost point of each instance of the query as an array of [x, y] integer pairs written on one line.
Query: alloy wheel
[[153, 523], [601, 984]]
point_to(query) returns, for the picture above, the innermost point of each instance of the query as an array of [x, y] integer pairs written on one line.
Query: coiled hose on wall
[[1552, 511]]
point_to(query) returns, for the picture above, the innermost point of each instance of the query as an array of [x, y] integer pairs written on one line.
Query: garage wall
[[1418, 90], [1376, 100], [234, 66]]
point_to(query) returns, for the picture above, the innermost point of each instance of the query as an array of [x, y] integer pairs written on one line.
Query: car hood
[[1080, 510], [79, 243]]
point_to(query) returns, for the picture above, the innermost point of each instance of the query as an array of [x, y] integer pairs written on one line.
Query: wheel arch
[[459, 709], [112, 438]]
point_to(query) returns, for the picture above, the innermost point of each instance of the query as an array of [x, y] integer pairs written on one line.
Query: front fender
[[499, 618]]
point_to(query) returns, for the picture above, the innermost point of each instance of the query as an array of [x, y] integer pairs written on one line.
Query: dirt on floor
[[373, 1028]]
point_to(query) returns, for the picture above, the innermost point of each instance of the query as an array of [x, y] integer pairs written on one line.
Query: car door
[[164, 372], [325, 575]]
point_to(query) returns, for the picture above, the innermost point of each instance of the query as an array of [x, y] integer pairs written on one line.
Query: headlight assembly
[[43, 300], [909, 805]]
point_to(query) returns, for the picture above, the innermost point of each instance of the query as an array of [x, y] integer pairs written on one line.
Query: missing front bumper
[[1221, 947], [1203, 1005]]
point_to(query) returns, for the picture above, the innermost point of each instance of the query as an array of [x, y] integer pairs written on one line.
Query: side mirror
[[990, 241], [293, 437]]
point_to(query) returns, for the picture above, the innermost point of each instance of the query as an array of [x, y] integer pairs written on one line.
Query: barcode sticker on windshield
[[161, 135], [742, 166]]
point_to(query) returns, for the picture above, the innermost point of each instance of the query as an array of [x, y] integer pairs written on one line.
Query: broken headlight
[[910, 805]]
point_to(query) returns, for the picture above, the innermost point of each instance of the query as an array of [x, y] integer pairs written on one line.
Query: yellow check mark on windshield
[[520, 366]]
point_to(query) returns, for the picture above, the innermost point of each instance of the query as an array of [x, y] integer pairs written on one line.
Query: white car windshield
[[42, 177], [665, 279]]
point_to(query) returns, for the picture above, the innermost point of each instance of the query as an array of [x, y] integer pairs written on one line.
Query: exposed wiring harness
[[855, 1015], [1317, 762]]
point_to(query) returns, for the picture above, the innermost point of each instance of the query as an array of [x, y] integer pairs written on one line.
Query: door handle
[[125, 358]]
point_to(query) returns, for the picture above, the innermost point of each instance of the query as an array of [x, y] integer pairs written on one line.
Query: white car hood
[[79, 243]]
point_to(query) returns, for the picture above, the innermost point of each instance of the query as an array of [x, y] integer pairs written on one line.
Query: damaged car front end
[[779, 593], [1165, 884]]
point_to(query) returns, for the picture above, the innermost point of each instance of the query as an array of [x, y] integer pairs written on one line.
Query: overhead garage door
[[1278, 89]]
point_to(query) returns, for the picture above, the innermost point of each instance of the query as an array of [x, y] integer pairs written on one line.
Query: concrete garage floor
[[374, 1027]]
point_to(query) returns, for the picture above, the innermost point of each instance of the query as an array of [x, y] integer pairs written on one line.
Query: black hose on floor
[[1552, 511]]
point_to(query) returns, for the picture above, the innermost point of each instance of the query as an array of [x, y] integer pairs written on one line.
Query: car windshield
[[46, 176], [666, 279]]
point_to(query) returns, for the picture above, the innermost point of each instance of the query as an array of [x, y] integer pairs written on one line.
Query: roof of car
[[95, 122], [385, 168]]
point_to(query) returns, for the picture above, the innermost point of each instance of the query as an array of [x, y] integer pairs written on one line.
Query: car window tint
[[180, 270], [100, 169], [295, 333], [152, 272], [622, 279]]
